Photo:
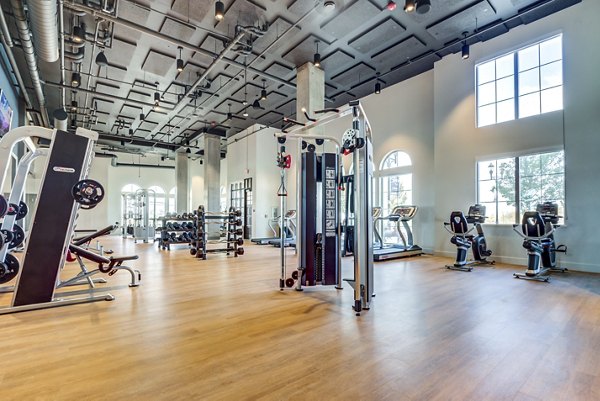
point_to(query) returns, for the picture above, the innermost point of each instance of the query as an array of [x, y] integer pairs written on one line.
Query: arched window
[[395, 189], [158, 204], [172, 200], [128, 207]]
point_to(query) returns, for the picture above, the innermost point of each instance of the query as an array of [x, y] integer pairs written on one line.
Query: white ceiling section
[[357, 40]]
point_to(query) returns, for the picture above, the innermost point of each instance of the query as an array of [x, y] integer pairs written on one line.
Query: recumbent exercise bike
[[537, 231], [463, 239]]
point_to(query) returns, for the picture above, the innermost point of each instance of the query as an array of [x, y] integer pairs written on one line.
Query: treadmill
[[265, 240], [401, 215], [290, 231]]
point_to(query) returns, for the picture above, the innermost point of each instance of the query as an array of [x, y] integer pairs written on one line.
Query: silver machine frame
[[363, 280], [29, 135]]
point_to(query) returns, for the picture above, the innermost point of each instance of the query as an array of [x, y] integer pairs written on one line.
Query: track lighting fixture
[[74, 106], [101, 59], [142, 116], [78, 35], [188, 151], [377, 85], [245, 113], [156, 100], [423, 6], [329, 5], [409, 6], [180, 60], [219, 10], [75, 79], [465, 50], [263, 92], [317, 56], [130, 131], [256, 104]]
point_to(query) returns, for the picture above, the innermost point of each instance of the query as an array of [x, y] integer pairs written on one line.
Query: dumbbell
[[240, 251], [169, 226], [184, 216], [193, 251], [173, 237], [240, 241], [239, 231], [289, 283]]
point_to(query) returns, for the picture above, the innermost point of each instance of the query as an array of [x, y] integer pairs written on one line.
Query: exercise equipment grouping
[[208, 229]]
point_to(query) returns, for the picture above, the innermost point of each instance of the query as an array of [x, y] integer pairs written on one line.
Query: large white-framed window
[[395, 189], [510, 186], [520, 84], [157, 206], [172, 205]]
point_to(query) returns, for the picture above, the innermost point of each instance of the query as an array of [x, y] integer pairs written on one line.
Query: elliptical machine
[[463, 239], [537, 231]]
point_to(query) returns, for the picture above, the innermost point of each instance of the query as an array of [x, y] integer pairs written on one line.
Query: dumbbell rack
[[166, 240], [234, 237]]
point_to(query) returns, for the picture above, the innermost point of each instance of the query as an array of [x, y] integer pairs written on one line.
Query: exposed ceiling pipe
[[43, 17], [103, 95], [7, 43], [76, 57], [61, 29], [89, 76], [175, 41], [143, 165], [27, 45], [185, 100], [135, 140], [188, 123]]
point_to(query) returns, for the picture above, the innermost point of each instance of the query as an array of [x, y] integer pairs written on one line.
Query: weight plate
[[289, 283], [12, 209], [7, 236], [9, 269], [18, 237], [3, 206], [23, 210], [88, 193]]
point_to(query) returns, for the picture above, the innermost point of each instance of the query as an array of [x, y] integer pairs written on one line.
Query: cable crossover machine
[[319, 182]]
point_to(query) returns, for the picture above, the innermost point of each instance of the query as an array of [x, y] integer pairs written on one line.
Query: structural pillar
[[183, 188], [310, 91], [310, 95], [212, 179]]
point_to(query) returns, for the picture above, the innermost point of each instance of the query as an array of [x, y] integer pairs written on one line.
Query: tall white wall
[[459, 143], [401, 117]]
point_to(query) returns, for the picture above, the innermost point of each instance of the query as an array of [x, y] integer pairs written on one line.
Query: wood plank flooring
[[221, 330]]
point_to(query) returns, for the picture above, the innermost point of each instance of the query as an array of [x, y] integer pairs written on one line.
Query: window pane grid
[[537, 83], [539, 178]]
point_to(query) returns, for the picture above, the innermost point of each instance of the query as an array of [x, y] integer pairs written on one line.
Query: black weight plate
[[18, 237], [289, 283], [3, 206], [9, 269], [7, 235], [12, 209], [23, 210]]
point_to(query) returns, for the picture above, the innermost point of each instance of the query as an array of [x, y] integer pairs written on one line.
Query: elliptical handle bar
[[532, 238], [446, 224]]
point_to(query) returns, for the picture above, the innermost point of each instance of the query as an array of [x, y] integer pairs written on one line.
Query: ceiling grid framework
[[357, 40]]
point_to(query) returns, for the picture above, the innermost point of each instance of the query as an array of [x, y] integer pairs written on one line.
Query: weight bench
[[108, 265], [89, 238]]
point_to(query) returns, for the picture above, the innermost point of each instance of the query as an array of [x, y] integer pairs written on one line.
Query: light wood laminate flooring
[[221, 330]]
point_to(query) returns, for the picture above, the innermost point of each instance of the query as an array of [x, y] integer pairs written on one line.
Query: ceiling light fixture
[[377, 85], [245, 113], [263, 92], [465, 50], [256, 104], [75, 79], [329, 5], [317, 56], [74, 106], [180, 60], [391, 6], [188, 151], [423, 6], [101, 59], [142, 116], [219, 10], [156, 98], [78, 35], [130, 131], [409, 6]]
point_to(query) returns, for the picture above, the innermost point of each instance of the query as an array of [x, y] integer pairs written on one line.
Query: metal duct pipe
[[43, 14], [144, 165], [60, 119], [27, 44], [76, 57]]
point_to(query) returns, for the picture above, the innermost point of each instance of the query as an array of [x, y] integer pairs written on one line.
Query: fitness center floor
[[221, 330]]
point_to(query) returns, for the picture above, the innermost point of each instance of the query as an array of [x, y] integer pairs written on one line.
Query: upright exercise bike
[[463, 239], [537, 231]]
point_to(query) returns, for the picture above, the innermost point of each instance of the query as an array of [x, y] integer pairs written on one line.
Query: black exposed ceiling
[[357, 40]]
